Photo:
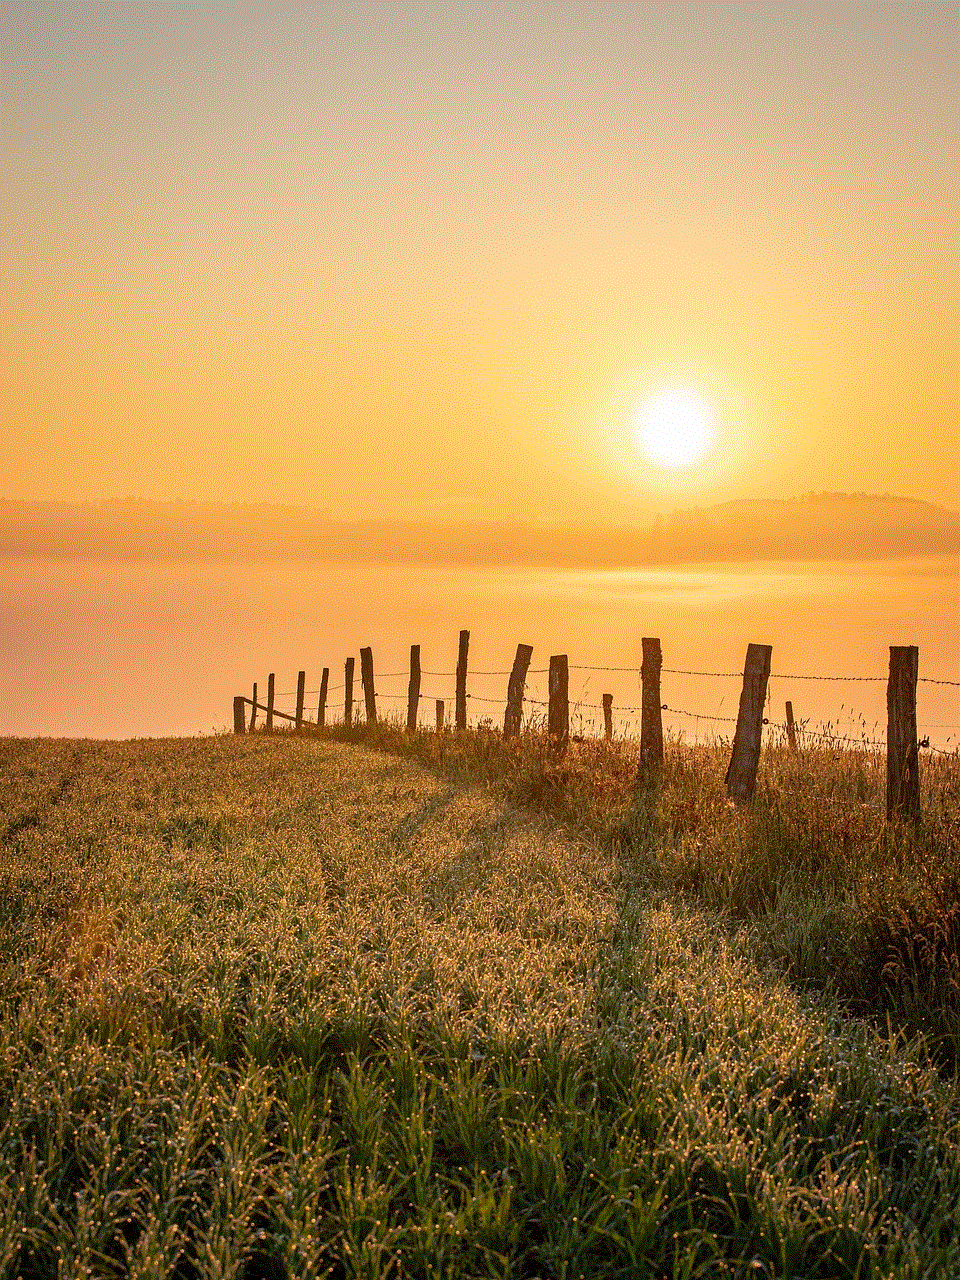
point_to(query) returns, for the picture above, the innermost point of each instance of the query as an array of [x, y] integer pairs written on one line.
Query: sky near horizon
[[428, 259]]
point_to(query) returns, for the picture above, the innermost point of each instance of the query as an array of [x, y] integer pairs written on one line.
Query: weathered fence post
[[558, 706], [439, 715], [651, 715], [461, 707], [514, 712], [745, 757], [253, 709], [301, 682], [348, 692], [366, 675], [322, 704], [608, 717], [239, 714], [413, 692], [268, 724], [791, 728], [903, 760]]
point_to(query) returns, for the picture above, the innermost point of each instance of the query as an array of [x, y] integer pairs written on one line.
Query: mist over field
[[129, 649], [826, 526]]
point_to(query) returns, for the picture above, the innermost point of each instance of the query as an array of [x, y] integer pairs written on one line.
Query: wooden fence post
[[461, 707], [268, 725], [253, 709], [608, 717], [903, 760], [514, 712], [239, 714], [366, 675], [558, 706], [745, 757], [322, 704], [791, 728], [348, 692], [439, 715], [413, 692], [651, 714], [301, 682]]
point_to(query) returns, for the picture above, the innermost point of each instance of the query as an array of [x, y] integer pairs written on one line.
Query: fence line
[[902, 744]]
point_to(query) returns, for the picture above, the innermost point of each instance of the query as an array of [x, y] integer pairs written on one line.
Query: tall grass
[[837, 897], [281, 1007]]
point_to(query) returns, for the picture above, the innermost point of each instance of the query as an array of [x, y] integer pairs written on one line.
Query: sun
[[674, 428]]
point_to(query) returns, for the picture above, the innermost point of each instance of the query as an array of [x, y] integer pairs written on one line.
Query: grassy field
[[284, 1007]]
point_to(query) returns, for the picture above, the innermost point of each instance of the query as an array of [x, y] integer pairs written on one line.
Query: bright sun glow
[[674, 428]]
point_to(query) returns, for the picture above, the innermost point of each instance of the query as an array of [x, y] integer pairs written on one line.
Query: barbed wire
[[829, 738], [673, 671], [809, 736], [776, 675], [697, 715], [535, 671]]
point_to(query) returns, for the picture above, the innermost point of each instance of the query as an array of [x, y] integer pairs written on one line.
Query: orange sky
[[398, 260]]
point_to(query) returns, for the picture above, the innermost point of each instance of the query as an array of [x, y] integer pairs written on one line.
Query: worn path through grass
[[286, 1007]]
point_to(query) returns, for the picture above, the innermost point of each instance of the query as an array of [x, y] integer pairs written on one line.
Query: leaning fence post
[[268, 725], [791, 728], [348, 692], [301, 681], [322, 704], [461, 707], [514, 712], [239, 714], [253, 709], [439, 715], [608, 717], [903, 761], [413, 691], [366, 675], [651, 713], [745, 757], [558, 706]]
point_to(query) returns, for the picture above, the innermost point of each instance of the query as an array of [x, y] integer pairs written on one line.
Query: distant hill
[[818, 526]]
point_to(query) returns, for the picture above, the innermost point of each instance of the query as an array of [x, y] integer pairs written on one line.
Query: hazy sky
[[388, 258]]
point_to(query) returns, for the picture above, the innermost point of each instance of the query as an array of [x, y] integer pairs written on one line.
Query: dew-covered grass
[[280, 1007], [838, 898]]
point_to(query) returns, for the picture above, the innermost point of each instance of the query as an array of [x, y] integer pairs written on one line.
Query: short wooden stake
[[253, 708], [270, 700], [903, 758], [322, 704], [461, 705], [301, 682], [366, 675], [608, 717], [745, 757], [791, 728], [413, 691], [651, 713], [558, 706], [513, 715], [439, 715], [239, 714], [348, 692]]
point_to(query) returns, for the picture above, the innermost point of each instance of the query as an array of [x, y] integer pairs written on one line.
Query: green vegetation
[[838, 899], [284, 1006]]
